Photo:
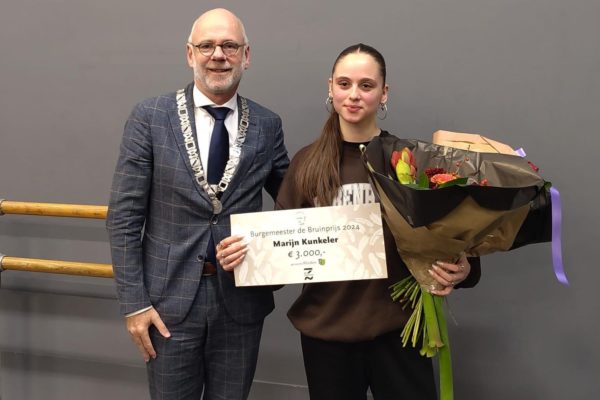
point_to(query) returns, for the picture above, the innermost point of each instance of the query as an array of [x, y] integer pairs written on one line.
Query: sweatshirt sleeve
[[474, 275]]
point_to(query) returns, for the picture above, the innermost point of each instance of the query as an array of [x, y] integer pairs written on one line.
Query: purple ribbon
[[559, 269], [520, 152]]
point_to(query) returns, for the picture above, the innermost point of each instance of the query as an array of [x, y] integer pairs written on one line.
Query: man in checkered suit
[[197, 332]]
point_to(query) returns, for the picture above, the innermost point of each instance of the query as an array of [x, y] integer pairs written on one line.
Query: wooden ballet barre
[[56, 267], [52, 209]]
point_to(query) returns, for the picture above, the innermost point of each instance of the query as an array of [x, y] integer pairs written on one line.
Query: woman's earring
[[328, 103], [383, 108]]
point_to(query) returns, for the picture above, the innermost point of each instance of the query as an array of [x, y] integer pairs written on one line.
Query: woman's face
[[357, 88]]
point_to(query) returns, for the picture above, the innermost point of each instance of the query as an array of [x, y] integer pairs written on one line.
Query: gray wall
[[525, 72]]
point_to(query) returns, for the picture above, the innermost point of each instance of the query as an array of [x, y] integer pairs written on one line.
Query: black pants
[[344, 371]]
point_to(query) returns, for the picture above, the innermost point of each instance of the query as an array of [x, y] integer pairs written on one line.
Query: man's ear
[[189, 53], [246, 62]]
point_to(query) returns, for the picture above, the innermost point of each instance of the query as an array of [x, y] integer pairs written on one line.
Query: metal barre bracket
[[1, 258], [1, 213]]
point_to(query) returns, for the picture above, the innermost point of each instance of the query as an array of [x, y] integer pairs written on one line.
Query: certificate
[[307, 245]]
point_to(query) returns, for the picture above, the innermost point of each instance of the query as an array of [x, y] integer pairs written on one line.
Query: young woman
[[350, 331]]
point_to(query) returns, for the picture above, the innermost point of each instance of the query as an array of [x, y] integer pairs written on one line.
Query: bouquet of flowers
[[441, 202]]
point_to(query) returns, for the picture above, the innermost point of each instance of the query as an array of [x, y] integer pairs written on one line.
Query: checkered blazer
[[160, 220]]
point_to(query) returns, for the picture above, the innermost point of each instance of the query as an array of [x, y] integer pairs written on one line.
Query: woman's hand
[[231, 252], [449, 275]]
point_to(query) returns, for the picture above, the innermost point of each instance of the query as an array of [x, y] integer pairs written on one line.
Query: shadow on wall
[[53, 228], [33, 376], [470, 372]]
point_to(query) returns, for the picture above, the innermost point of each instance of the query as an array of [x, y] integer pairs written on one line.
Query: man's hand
[[231, 252], [137, 326]]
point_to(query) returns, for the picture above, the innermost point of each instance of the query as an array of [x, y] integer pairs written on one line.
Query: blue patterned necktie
[[218, 152]]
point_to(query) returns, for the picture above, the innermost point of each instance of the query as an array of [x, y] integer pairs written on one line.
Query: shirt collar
[[200, 100]]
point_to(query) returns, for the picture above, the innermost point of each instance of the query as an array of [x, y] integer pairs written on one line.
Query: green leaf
[[433, 329], [444, 360], [454, 182], [416, 186], [423, 182]]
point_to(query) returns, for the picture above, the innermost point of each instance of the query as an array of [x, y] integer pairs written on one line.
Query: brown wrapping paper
[[440, 224], [487, 231], [471, 142]]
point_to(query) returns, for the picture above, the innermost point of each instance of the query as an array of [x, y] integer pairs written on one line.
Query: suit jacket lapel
[[178, 134]]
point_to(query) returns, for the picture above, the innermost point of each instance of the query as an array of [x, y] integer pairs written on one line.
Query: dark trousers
[[207, 352], [344, 371]]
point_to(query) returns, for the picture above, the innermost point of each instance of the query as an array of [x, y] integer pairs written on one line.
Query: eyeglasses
[[228, 48]]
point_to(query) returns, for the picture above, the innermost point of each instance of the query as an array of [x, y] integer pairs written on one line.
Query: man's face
[[218, 76]]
